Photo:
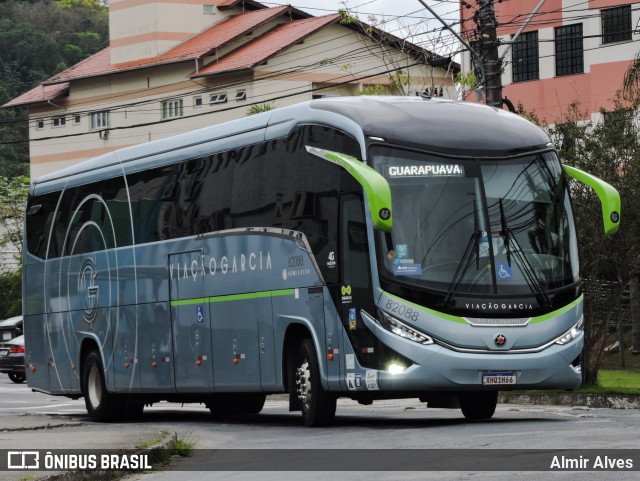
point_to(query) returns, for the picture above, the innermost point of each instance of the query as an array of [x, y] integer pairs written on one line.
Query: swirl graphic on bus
[[88, 290]]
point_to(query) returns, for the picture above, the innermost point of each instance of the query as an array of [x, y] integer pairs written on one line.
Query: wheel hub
[[303, 381]]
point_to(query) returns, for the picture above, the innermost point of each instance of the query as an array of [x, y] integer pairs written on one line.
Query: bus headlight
[[401, 329], [572, 333]]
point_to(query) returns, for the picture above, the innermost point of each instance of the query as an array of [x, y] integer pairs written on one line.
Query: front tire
[[17, 377], [478, 405], [102, 405], [318, 405]]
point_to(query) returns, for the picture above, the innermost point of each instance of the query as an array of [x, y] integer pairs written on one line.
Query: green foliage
[[610, 150], [11, 294], [376, 89], [467, 79], [13, 196], [259, 108]]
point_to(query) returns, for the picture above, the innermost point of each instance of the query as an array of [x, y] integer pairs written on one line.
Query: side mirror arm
[[608, 195], [375, 186]]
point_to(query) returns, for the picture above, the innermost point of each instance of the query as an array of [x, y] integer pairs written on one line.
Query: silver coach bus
[[368, 248]]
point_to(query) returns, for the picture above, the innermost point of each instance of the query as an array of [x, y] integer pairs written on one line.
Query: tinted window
[[40, 216]]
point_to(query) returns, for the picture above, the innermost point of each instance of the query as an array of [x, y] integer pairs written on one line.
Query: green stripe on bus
[[551, 315], [233, 297], [441, 315]]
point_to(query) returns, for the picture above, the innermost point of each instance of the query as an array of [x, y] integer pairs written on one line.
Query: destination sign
[[426, 170]]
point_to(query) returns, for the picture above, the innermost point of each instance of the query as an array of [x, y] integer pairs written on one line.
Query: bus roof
[[443, 126]]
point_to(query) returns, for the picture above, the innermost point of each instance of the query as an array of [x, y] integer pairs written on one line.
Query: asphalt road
[[38, 421]]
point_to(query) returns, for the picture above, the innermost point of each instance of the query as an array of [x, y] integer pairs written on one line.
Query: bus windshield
[[484, 226]]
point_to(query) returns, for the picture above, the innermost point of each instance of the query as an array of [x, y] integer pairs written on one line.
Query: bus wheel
[[17, 377], [318, 405], [222, 405], [101, 405], [478, 405]]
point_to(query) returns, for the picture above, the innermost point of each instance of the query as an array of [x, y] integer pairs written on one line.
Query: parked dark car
[[12, 359], [10, 328]]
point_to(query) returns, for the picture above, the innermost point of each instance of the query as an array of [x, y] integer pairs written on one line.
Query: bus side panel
[[155, 347], [36, 351], [126, 337], [236, 358], [268, 376], [191, 324], [59, 357]]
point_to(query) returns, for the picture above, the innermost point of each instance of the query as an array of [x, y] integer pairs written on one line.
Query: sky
[[406, 18]]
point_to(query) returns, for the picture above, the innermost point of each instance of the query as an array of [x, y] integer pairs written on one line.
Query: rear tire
[[223, 405], [17, 377], [318, 405], [102, 405], [478, 405]]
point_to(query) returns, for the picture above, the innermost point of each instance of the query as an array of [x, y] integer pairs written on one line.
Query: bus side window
[[41, 216], [354, 246]]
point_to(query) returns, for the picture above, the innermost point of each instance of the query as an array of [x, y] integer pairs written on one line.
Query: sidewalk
[[36, 431]]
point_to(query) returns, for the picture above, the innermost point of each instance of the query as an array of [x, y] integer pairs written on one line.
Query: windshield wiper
[[463, 266], [528, 272]]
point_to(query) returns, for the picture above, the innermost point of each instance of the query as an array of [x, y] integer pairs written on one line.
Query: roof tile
[[267, 46], [40, 93]]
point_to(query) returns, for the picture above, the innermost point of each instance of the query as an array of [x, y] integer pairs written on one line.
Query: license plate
[[499, 378], [4, 352]]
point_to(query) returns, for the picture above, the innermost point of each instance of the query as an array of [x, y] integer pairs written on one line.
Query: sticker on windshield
[[407, 269], [426, 170], [503, 271], [402, 251]]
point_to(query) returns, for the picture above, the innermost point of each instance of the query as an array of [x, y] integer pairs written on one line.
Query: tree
[[609, 149], [13, 197]]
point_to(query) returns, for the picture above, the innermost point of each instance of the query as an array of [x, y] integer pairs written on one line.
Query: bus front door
[[190, 323]]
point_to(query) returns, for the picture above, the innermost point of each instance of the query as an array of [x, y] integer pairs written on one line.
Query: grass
[[182, 447], [614, 382]]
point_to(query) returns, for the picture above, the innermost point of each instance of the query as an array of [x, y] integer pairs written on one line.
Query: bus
[[360, 247]]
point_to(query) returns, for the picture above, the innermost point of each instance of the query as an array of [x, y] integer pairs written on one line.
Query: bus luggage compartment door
[[190, 323]]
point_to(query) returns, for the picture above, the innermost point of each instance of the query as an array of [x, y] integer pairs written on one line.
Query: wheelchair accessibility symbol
[[503, 271], [200, 314]]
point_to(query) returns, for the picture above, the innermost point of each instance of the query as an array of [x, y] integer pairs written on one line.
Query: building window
[[616, 24], [525, 57], [59, 122], [569, 50], [39, 124], [99, 120], [218, 99], [76, 120], [197, 102], [241, 95], [172, 109]]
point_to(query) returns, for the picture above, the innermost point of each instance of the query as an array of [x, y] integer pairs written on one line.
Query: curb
[[611, 401]]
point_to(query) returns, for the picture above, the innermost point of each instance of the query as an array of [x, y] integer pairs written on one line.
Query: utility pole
[[492, 64]]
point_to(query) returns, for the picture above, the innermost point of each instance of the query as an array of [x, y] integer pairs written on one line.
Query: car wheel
[[17, 377]]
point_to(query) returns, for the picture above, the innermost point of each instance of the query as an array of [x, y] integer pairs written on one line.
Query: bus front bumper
[[439, 368]]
